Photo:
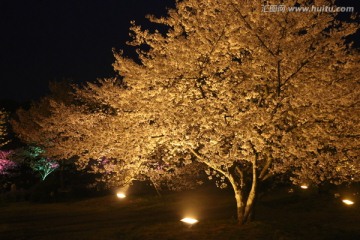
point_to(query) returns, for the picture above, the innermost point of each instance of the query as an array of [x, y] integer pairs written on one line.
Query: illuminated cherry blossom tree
[[252, 94], [100, 124]]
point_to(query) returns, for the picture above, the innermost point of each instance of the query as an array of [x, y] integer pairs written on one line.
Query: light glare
[[121, 195], [189, 220], [304, 186], [347, 202]]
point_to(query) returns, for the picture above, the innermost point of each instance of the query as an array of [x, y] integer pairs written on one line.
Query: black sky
[[45, 40]]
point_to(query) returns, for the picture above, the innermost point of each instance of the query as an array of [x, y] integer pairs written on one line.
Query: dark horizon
[[45, 41]]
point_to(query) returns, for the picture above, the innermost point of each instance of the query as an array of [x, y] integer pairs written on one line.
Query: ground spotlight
[[121, 195], [347, 202], [189, 220]]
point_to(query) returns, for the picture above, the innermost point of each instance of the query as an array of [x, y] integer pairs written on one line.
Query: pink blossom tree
[[6, 165]]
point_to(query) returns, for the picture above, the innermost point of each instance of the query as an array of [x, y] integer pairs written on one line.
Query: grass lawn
[[278, 216]]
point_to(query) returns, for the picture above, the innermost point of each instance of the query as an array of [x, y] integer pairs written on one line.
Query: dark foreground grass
[[279, 216]]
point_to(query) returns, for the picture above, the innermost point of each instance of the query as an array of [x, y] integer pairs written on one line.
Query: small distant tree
[[44, 166], [3, 128], [38, 163], [33, 156]]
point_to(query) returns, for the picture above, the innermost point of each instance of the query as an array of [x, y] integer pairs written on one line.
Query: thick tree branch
[[252, 194], [265, 168], [241, 176], [205, 161], [303, 64]]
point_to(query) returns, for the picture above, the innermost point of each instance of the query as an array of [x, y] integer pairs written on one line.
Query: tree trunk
[[240, 203], [245, 204], [244, 211], [240, 207], [249, 207], [155, 187], [62, 185], [252, 194], [157, 190]]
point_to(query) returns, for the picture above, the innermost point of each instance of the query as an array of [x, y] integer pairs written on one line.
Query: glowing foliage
[[44, 166], [41, 164], [104, 130], [251, 94], [34, 157]]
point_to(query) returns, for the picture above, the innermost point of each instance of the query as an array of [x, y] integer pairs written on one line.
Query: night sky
[[46, 40]]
